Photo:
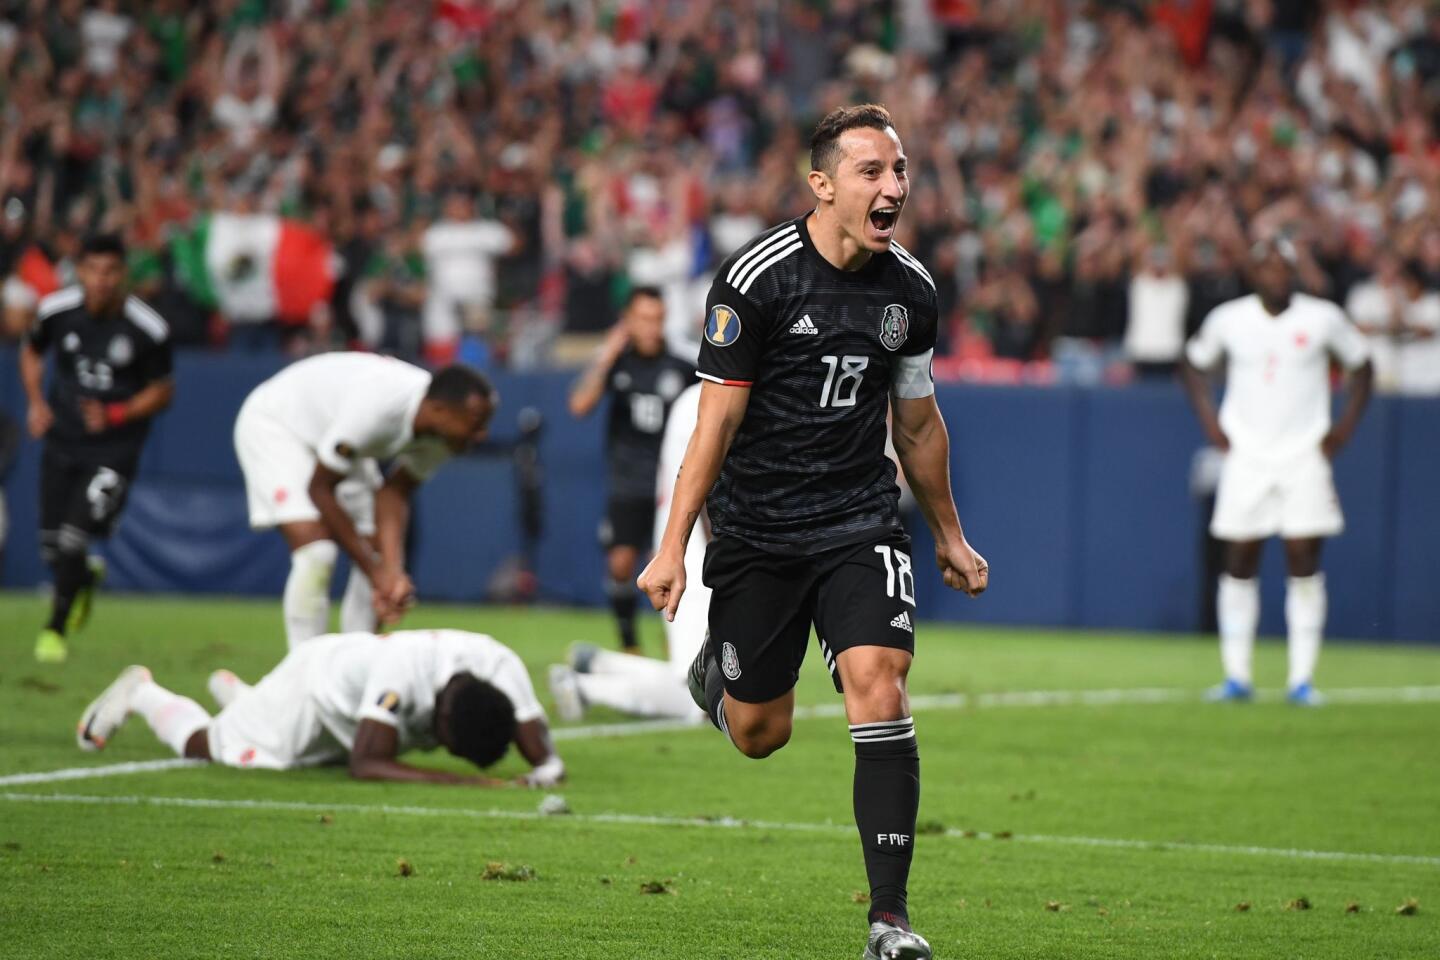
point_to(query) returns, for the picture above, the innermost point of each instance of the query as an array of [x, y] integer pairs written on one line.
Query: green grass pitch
[[1106, 830]]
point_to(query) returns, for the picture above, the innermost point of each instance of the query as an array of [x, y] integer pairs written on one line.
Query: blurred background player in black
[[643, 380], [111, 375]]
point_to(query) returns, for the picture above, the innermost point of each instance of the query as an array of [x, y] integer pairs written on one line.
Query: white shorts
[[274, 725], [278, 467], [1293, 498]]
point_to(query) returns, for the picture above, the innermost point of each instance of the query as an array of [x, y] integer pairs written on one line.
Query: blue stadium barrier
[[1078, 497]]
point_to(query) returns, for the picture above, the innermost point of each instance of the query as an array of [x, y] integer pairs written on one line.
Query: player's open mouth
[[883, 219]]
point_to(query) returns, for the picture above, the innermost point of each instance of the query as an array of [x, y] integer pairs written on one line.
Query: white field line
[[1024, 698], [88, 773], [723, 823], [943, 701]]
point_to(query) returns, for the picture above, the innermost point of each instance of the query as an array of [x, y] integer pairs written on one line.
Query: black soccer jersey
[[823, 349], [105, 358], [641, 392]]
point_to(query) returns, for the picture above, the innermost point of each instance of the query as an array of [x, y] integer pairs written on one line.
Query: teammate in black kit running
[[643, 380], [111, 375], [813, 330]]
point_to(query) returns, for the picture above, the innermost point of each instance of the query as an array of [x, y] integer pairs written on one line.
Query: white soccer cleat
[[103, 717], [225, 686], [565, 688], [889, 942]]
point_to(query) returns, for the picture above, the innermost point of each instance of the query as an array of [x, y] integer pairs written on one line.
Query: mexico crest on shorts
[[722, 326], [729, 661], [894, 326]]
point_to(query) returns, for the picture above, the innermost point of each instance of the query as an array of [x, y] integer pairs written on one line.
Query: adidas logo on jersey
[[902, 622], [805, 325]]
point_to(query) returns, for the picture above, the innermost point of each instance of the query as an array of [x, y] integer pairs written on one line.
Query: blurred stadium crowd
[[484, 178]]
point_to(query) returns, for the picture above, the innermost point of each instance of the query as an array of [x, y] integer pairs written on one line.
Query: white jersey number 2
[[852, 371]]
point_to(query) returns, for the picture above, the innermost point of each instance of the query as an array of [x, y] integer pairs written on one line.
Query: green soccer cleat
[[50, 647], [85, 599]]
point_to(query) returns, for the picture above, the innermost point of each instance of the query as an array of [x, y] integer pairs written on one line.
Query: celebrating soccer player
[[1274, 426], [309, 440], [112, 375], [813, 330], [357, 696]]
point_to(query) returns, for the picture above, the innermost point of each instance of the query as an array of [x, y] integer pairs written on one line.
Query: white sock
[[1305, 604], [307, 591], [225, 686], [357, 612], [657, 695], [616, 664], [1237, 607], [173, 718]]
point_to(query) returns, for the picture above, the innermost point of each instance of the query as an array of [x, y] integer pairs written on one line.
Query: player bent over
[[813, 330], [309, 440], [1274, 425], [363, 697], [643, 686]]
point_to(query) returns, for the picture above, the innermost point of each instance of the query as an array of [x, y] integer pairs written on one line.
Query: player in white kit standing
[[310, 440], [637, 685], [358, 697], [1274, 426]]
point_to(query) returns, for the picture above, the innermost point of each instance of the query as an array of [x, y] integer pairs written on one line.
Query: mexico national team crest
[[722, 326], [730, 661], [894, 326], [122, 351]]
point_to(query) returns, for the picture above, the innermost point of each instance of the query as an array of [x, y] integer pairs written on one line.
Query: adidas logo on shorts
[[805, 325], [902, 622]]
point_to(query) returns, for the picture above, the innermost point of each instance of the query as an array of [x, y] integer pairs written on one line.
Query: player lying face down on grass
[[310, 441], [814, 330], [361, 699]]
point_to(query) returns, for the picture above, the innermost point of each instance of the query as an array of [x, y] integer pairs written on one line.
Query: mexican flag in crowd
[[256, 267]]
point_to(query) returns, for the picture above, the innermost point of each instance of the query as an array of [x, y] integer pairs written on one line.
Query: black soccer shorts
[[762, 606], [629, 522], [79, 496]]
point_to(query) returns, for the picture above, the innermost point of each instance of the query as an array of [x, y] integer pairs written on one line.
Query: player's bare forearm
[[1357, 397], [590, 388], [722, 409], [150, 401], [923, 445], [373, 758], [1197, 389], [32, 374], [338, 522], [392, 517]]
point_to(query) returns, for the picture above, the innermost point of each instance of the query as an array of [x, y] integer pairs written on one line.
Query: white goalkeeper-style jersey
[[348, 406], [306, 710], [1277, 390]]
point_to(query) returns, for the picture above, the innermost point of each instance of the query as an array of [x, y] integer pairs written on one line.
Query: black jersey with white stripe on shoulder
[[107, 358], [822, 351]]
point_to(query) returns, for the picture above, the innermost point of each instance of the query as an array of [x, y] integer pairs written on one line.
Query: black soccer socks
[[887, 797], [72, 574], [622, 601]]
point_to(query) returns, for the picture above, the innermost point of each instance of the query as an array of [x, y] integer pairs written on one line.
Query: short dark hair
[[457, 383], [482, 720], [105, 244], [643, 291], [825, 141]]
